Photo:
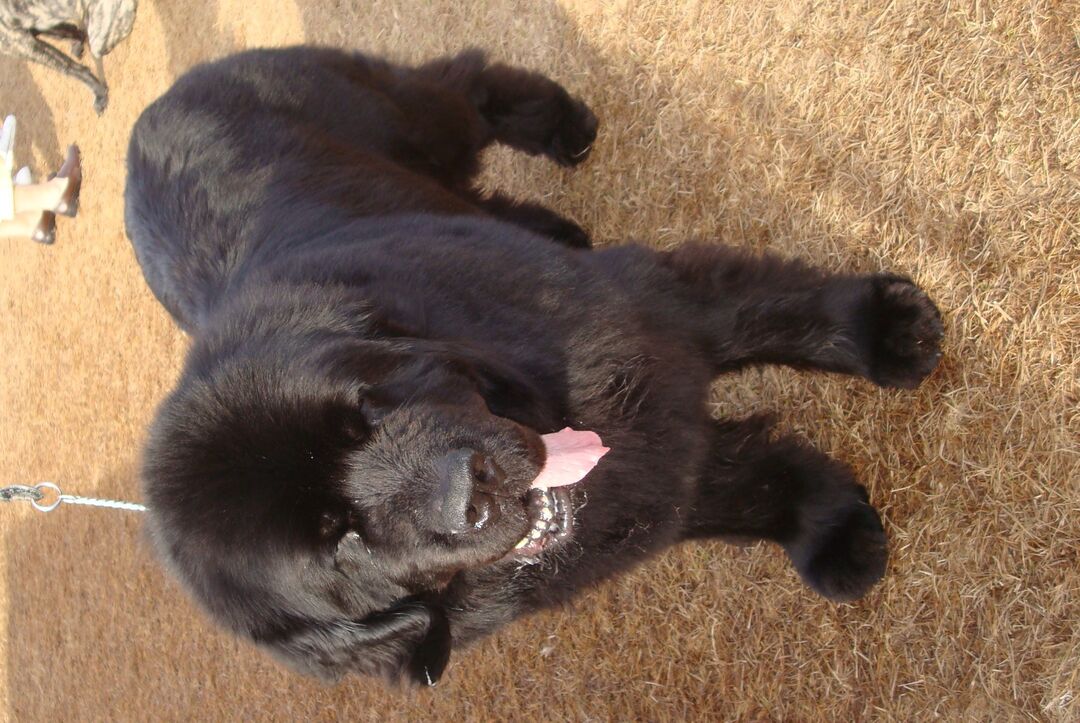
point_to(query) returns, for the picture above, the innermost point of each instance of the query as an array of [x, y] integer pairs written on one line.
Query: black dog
[[377, 348]]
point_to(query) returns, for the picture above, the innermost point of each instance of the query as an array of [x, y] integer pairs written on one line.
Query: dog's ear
[[410, 640]]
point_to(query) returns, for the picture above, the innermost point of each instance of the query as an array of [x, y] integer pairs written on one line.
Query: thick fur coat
[[376, 343]]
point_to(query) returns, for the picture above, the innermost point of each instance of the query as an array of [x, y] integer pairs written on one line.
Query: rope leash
[[46, 497]]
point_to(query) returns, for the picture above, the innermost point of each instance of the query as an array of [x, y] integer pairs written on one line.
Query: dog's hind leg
[[763, 310], [26, 46], [758, 487], [537, 218]]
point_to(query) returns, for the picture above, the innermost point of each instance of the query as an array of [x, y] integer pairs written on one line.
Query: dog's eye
[[359, 421], [485, 471], [372, 411], [355, 426], [332, 525]]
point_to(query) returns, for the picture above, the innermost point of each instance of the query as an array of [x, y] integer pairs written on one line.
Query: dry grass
[[941, 139]]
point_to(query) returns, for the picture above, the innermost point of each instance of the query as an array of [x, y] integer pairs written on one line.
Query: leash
[[46, 497]]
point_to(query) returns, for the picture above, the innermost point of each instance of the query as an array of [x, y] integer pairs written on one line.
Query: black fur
[[376, 346]]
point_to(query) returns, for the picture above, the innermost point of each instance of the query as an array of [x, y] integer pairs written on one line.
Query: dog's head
[[317, 490]]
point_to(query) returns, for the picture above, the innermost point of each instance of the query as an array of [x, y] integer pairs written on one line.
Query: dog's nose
[[464, 497], [482, 510]]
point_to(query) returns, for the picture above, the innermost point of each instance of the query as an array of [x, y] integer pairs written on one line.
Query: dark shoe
[[72, 170], [45, 233]]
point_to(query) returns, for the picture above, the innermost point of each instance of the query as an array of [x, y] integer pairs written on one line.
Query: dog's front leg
[[760, 486]]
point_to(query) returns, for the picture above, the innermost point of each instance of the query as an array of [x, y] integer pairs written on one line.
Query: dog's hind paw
[[906, 333], [567, 233], [843, 557]]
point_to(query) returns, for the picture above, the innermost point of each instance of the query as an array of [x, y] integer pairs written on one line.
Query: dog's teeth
[[546, 513], [521, 543]]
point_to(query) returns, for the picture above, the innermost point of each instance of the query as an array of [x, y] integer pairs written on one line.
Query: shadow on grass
[[36, 137]]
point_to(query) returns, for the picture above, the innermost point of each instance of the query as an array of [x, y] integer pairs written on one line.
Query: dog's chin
[[551, 523]]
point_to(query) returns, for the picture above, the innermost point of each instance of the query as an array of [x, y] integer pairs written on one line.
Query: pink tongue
[[570, 456]]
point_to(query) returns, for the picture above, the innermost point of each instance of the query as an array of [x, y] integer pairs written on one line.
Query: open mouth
[[570, 456], [551, 518]]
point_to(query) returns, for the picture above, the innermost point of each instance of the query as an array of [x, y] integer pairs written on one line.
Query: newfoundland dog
[[383, 356]]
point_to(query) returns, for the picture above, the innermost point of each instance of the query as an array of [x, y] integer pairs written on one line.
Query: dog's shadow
[[95, 625], [193, 33]]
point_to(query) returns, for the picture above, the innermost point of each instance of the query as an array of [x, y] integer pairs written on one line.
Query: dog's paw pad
[[846, 557], [907, 333]]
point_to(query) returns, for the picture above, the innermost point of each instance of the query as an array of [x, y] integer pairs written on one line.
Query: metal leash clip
[[20, 492], [46, 497]]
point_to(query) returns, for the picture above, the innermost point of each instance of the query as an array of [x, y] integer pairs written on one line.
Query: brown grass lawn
[[940, 139]]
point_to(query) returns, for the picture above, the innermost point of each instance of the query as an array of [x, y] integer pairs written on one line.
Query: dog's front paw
[[574, 134], [906, 333], [843, 556]]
